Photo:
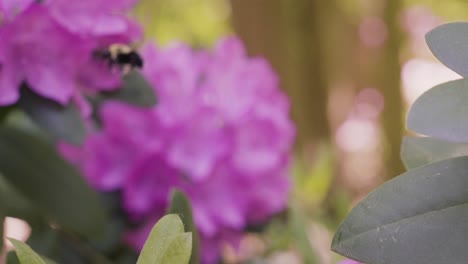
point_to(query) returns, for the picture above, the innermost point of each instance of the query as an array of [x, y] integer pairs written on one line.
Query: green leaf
[[178, 250], [135, 91], [180, 205], [418, 151], [312, 181], [158, 241], [419, 217], [44, 240], [5, 111], [25, 254], [14, 204], [449, 43], [12, 257], [60, 122], [36, 171], [48, 260], [442, 112], [297, 225]]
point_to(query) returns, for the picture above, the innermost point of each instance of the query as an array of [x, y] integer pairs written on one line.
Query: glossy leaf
[[442, 112], [418, 151], [60, 122], [163, 232], [419, 217], [25, 254], [36, 171], [449, 43], [135, 90], [180, 205]]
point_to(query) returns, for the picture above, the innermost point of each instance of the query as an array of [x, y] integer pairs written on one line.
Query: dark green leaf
[[180, 205], [417, 151], [113, 232], [74, 250], [25, 254], [44, 240], [419, 217], [135, 91], [48, 260], [449, 43], [12, 258], [159, 239], [35, 169], [5, 111], [60, 122], [14, 204], [442, 112], [126, 258]]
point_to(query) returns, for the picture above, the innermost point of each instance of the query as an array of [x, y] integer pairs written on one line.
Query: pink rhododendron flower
[[95, 17], [50, 46], [11, 8], [221, 133]]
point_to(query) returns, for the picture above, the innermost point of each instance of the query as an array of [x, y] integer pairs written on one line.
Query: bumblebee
[[120, 55]]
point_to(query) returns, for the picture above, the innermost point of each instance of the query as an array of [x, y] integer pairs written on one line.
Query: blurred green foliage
[[311, 183], [199, 22], [448, 9], [166, 244], [451, 10]]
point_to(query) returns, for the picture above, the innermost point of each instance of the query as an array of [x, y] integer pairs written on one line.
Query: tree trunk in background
[[306, 76], [389, 81], [287, 33], [258, 23]]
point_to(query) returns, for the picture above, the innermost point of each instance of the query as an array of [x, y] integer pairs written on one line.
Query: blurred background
[[351, 69]]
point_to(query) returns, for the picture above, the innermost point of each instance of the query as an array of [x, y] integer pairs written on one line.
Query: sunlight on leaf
[[167, 242], [180, 205]]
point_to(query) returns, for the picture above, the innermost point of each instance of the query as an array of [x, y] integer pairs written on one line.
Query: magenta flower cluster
[[48, 44], [221, 133]]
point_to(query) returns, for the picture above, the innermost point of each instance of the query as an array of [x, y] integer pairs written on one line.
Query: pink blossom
[[40, 47], [11, 8], [221, 133]]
